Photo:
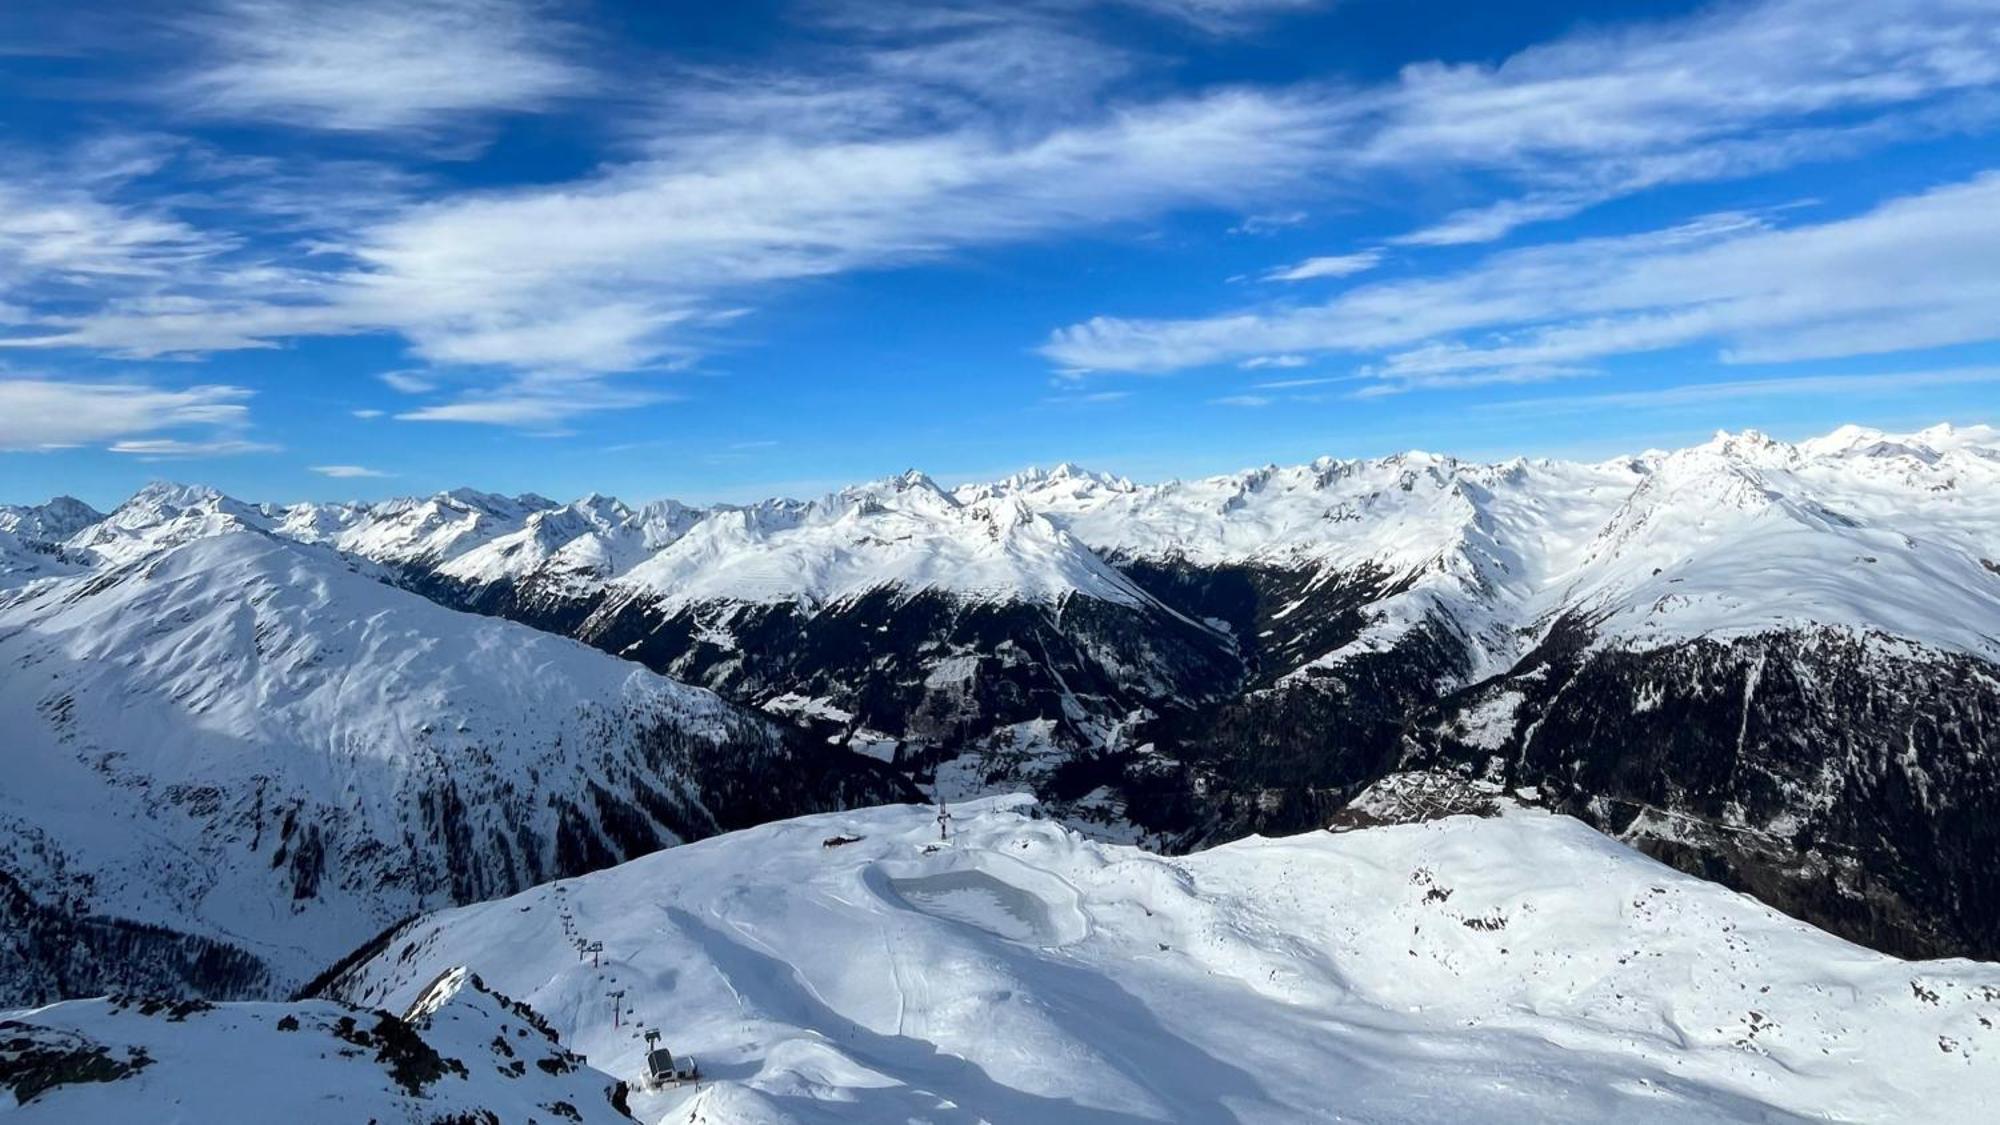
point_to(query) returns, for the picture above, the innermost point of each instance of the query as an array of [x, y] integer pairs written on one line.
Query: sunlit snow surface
[[310, 1063], [1513, 969]]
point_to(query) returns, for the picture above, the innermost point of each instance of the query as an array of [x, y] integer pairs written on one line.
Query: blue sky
[[725, 251]]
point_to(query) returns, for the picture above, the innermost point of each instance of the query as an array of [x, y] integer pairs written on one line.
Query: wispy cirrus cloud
[[1915, 272], [1333, 265], [40, 414], [175, 449], [373, 65], [54, 236], [1737, 89], [348, 472], [916, 133], [1733, 390], [1222, 17], [535, 403]]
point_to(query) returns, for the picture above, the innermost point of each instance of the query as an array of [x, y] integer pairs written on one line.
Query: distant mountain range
[[248, 742]]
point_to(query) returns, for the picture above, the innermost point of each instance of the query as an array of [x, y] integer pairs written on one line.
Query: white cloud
[[1494, 221], [1296, 384], [52, 234], [1493, 376], [1919, 271], [635, 266], [592, 275], [375, 64], [1269, 223], [1337, 265], [905, 142], [1223, 16], [1738, 89], [534, 403], [347, 472], [366, 413], [166, 449], [1242, 400], [1086, 398], [408, 382], [1260, 361], [46, 414]]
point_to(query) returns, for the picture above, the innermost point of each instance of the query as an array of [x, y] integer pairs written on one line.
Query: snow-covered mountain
[[462, 1053], [899, 619], [1740, 535], [1770, 662], [1513, 968], [32, 536], [52, 522], [232, 757]]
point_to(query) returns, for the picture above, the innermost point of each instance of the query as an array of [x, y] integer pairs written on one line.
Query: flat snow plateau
[[851, 968]]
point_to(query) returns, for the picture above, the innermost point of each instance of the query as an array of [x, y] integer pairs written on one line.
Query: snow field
[[1518, 968]]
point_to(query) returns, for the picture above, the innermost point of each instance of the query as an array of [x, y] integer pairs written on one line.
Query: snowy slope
[[23, 561], [467, 1055], [244, 739], [847, 968], [1858, 529]]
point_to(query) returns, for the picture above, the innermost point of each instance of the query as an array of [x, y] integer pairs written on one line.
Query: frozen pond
[[974, 898]]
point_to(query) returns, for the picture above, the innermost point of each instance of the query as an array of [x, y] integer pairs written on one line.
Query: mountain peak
[[49, 522], [164, 494], [494, 503]]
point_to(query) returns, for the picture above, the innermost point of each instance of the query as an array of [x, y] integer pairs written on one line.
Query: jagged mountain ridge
[[907, 622], [234, 757], [1519, 542]]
